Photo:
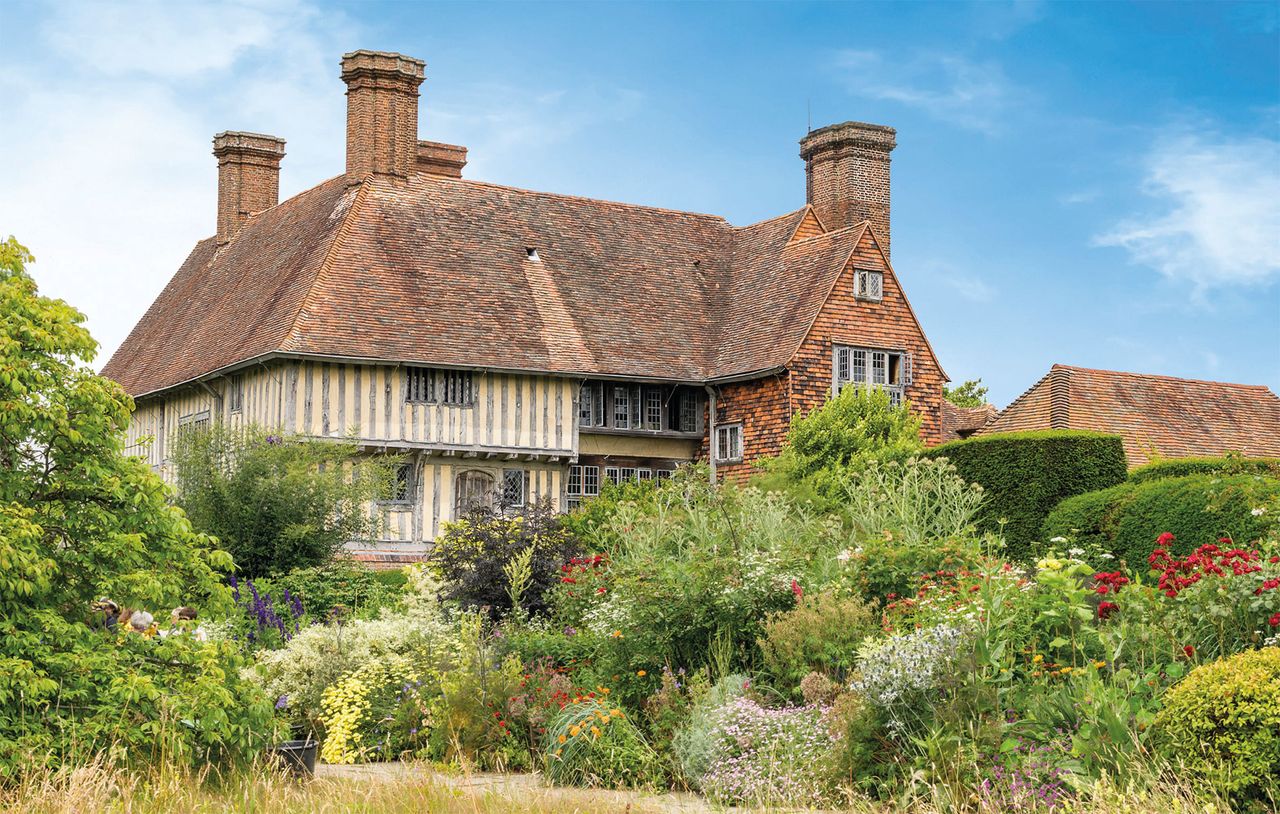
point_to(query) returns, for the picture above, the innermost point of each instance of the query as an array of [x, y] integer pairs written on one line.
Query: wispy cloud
[[950, 87], [967, 284], [1217, 218]]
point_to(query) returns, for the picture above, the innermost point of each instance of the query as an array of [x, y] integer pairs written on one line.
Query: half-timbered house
[[512, 341]]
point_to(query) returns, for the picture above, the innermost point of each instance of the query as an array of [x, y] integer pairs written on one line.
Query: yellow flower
[[604, 690], [1099, 664], [558, 752], [1037, 658], [617, 634], [595, 730], [560, 739], [641, 673], [574, 730], [617, 713]]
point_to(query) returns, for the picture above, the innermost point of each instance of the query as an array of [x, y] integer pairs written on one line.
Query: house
[[1157, 416], [521, 342]]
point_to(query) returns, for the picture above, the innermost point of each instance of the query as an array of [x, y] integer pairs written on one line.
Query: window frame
[[235, 393], [730, 430], [483, 500], [525, 486], [408, 483], [446, 387], [864, 365], [861, 285]]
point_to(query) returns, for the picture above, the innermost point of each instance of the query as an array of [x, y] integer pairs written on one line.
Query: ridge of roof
[[767, 221], [1159, 376], [582, 198]]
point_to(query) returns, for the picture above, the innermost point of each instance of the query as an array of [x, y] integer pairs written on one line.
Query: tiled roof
[[1155, 415], [961, 422], [438, 271]]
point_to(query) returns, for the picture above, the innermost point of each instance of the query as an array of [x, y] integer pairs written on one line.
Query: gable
[[809, 226]]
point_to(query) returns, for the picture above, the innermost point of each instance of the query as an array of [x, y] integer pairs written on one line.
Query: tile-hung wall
[[509, 415]]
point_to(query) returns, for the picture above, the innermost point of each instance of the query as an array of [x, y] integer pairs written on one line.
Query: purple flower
[[282, 702]]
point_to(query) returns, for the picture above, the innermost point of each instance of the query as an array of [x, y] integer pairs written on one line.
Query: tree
[[81, 520], [970, 394], [829, 444], [274, 502]]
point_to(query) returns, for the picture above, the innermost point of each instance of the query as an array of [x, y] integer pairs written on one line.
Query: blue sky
[[1087, 183]]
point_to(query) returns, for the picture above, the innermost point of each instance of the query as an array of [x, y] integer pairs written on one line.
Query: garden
[[1013, 623]]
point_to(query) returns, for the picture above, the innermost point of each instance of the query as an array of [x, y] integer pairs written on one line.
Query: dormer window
[[869, 285], [531, 254]]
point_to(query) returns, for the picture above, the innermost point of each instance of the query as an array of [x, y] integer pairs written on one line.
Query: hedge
[[1196, 509], [1026, 474], [1230, 464]]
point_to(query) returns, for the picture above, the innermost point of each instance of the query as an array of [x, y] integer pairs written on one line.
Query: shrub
[[1229, 464], [357, 703], [1025, 474], [319, 655], [80, 520], [692, 745], [773, 757], [264, 618], [356, 590], [594, 743], [899, 674], [820, 634], [276, 503], [829, 443], [1194, 508], [1223, 722], [474, 555]]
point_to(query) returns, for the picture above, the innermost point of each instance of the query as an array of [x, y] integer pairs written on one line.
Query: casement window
[[591, 405], [869, 285], [194, 421], [584, 482], [729, 443], [427, 385], [652, 408], [472, 489], [402, 487], [662, 474], [235, 393], [868, 367], [622, 407], [686, 412], [515, 489]]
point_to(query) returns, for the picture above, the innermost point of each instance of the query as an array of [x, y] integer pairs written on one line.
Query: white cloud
[[973, 95], [1218, 222]]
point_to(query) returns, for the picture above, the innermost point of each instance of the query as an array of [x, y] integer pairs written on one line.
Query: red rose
[[1189, 650]]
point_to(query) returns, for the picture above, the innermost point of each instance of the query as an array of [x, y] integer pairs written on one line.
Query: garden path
[[527, 788]]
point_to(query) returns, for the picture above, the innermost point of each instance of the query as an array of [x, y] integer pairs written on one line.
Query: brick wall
[[382, 113], [763, 409], [847, 175], [248, 178]]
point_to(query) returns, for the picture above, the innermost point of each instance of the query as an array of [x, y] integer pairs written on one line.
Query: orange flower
[[641, 673]]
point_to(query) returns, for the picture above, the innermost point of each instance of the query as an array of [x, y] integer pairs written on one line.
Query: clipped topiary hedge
[[1026, 474], [1197, 509], [1225, 465]]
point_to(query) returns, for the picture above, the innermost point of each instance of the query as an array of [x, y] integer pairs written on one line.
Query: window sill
[[728, 461], [688, 436]]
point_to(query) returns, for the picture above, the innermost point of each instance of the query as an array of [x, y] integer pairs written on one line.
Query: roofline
[[1161, 376], [298, 356]]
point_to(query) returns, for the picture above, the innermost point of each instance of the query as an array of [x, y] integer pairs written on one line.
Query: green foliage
[[1223, 722], [471, 558], [1229, 464], [595, 743], [356, 704], [969, 394], [1026, 474], [832, 442], [350, 587], [693, 743], [820, 634], [277, 503], [81, 520], [1196, 509]]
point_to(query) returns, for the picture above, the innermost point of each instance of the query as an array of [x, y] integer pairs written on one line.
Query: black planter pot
[[297, 757]]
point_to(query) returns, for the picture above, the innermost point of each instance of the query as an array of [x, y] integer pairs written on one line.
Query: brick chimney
[[248, 178], [382, 113], [438, 158], [846, 169]]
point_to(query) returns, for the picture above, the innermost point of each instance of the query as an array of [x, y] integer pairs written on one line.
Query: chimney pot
[[382, 113], [248, 178], [847, 175]]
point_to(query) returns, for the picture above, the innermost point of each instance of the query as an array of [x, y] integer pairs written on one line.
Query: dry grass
[[93, 789]]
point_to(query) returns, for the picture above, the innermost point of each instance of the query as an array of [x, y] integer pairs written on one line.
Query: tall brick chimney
[[846, 169], [382, 113], [248, 178]]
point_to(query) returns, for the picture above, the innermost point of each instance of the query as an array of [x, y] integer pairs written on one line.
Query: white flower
[[844, 556], [1075, 552], [1106, 555], [1258, 512], [1057, 539]]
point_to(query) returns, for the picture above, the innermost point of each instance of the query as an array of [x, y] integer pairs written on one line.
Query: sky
[[1095, 184]]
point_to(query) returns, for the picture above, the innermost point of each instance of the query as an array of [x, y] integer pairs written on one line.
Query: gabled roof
[[1155, 415], [438, 271], [961, 422]]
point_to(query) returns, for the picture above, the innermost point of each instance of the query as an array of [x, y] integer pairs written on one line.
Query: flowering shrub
[[761, 756], [581, 581], [1223, 722], [821, 633], [592, 742], [1027, 776], [352, 707], [1220, 598], [898, 672], [263, 621]]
